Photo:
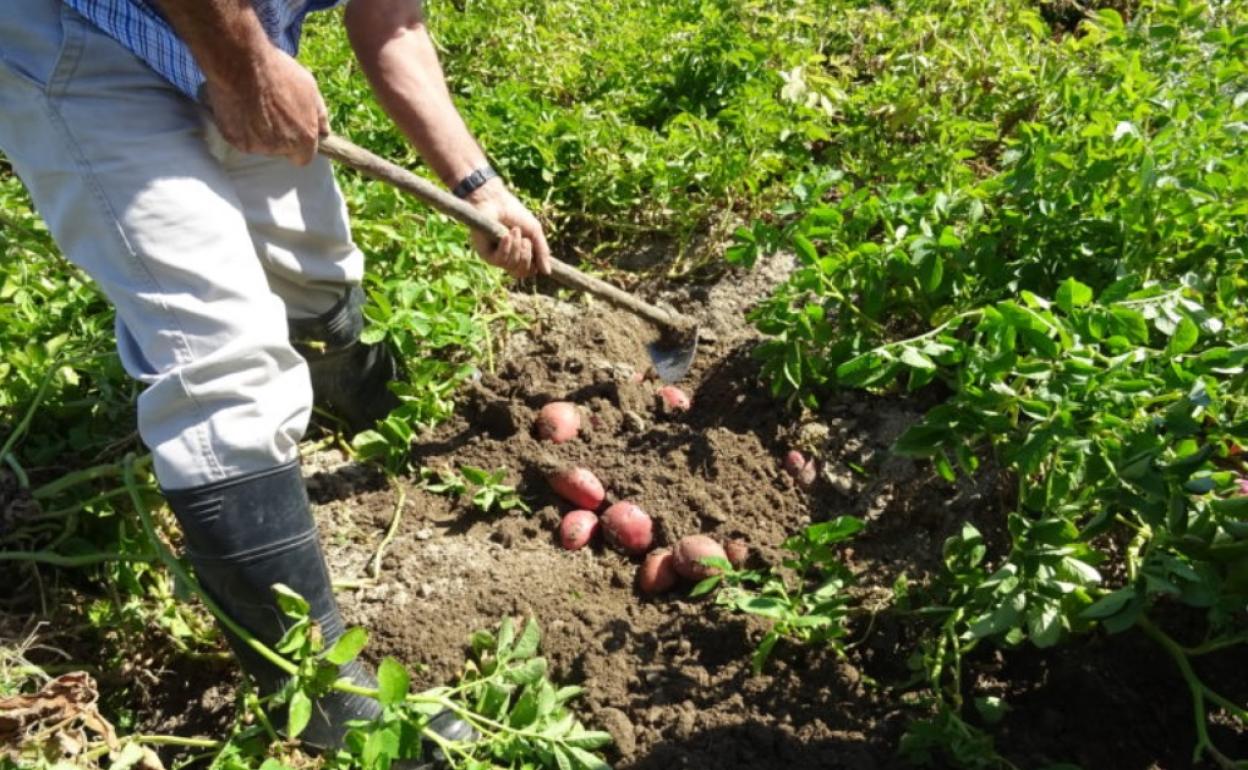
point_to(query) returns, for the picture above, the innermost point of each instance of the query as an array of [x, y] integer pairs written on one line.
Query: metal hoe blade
[[673, 354]]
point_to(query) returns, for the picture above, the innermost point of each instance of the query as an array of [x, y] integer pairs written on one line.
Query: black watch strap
[[473, 181]]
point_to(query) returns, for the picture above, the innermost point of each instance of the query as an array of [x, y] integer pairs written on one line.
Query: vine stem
[[1215, 645], [374, 566], [59, 485], [954, 322], [11, 441], [81, 560], [1199, 690], [174, 740], [22, 480]]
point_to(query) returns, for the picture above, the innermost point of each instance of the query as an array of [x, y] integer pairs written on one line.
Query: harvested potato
[[802, 470], [578, 486], [577, 528], [558, 421], [674, 399], [689, 552], [627, 528], [657, 573]]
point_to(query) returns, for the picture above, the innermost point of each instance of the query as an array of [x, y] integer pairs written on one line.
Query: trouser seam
[[182, 348], [70, 56]]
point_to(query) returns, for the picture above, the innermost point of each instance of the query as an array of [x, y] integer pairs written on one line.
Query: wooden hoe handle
[[371, 165]]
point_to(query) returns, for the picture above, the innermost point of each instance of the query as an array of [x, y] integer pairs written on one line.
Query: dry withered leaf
[[61, 714]]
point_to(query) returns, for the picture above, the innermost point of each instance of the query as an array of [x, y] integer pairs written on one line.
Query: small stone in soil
[[633, 422], [424, 533]]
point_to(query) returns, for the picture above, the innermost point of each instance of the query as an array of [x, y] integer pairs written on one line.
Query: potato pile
[[623, 524]]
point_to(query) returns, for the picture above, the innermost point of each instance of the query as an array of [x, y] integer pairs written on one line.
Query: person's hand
[[273, 109], [522, 252]]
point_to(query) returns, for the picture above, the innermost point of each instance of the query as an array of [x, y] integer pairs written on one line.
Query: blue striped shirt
[[141, 29]]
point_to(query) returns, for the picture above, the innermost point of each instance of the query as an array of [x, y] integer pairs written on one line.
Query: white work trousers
[[203, 250]]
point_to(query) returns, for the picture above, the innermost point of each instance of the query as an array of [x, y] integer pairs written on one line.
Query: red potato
[[738, 552], [674, 399], [657, 573], [558, 422], [578, 486], [801, 469], [577, 529], [689, 552], [628, 528]]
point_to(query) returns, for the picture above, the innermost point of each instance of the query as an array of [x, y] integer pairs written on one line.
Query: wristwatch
[[471, 183]]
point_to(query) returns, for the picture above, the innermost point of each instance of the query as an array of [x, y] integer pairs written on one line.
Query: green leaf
[[588, 739], [568, 692], [1235, 507], [525, 711], [931, 272], [948, 238], [587, 761], [704, 586], [864, 370], [837, 530], [299, 713], [530, 638], [1185, 336], [1110, 19], [763, 606], [380, 749], [533, 670], [392, 682], [294, 638], [1110, 604], [805, 249], [759, 658], [291, 603], [912, 357], [546, 702], [1072, 294], [991, 709], [506, 635], [348, 646], [1045, 626]]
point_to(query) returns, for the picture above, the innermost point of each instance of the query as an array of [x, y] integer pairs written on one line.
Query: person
[[171, 148]]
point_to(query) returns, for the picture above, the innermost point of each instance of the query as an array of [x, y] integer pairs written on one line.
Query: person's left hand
[[523, 251]]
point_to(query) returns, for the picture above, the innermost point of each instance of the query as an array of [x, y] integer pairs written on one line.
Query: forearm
[[398, 58], [225, 36]]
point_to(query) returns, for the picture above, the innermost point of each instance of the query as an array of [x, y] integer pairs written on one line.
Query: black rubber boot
[[242, 536], [348, 377]]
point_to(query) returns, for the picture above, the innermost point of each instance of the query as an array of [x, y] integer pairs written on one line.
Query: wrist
[[490, 191], [241, 61], [480, 177]]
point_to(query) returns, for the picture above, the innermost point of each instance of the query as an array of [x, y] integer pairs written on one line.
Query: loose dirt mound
[[669, 678]]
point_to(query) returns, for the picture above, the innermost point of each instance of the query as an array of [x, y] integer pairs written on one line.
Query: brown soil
[[670, 677]]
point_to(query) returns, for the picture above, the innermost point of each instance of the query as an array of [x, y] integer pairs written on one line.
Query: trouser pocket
[[40, 42]]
